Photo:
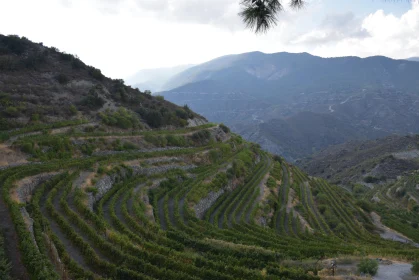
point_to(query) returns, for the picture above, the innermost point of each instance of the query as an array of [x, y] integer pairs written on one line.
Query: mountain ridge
[[252, 88], [154, 79]]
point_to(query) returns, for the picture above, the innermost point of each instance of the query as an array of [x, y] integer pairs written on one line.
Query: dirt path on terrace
[[388, 233], [395, 271]]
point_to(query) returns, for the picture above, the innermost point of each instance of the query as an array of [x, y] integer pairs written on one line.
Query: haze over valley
[[297, 104]]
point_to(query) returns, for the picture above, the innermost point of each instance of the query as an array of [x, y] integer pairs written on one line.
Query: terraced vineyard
[[214, 209], [143, 189], [397, 204]]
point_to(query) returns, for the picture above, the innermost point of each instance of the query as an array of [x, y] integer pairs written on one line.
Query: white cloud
[[122, 36], [387, 35]]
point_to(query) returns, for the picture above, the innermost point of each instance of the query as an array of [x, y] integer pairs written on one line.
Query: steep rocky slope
[[42, 85]]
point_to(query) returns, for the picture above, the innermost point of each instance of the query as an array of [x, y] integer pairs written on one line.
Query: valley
[[298, 104]]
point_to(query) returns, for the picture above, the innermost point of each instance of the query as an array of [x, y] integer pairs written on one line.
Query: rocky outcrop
[[218, 134], [204, 204], [196, 122], [104, 185], [375, 198]]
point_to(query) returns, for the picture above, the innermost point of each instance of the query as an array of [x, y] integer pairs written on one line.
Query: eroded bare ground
[[9, 156], [84, 179], [388, 233]]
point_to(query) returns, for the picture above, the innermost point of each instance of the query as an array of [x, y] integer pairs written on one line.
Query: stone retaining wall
[[25, 190], [204, 204]]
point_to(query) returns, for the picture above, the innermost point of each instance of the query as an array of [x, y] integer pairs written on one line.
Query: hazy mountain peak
[[268, 98], [154, 79]]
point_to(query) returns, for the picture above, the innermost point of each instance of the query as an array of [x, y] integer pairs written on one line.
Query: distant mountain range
[[413, 59], [155, 79], [261, 96]]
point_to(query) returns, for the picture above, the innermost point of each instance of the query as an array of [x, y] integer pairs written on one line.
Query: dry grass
[[89, 180], [10, 156], [224, 244]]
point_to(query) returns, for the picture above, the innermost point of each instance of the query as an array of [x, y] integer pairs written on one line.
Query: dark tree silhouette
[[261, 15]]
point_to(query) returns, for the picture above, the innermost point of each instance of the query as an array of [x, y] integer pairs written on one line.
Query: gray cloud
[[222, 13], [333, 28], [338, 20], [153, 5]]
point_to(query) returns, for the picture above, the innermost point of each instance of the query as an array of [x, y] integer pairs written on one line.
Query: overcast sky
[[123, 36]]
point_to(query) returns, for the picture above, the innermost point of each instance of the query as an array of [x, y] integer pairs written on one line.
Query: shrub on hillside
[[202, 136], [34, 60], [368, 266], [159, 141], [366, 206], [182, 114], [214, 156], [158, 116], [66, 56], [93, 100], [73, 109], [224, 128], [62, 79], [14, 44], [371, 179], [271, 183], [92, 190], [4, 136], [176, 140], [121, 118], [76, 63], [12, 111], [152, 117], [95, 73], [358, 189]]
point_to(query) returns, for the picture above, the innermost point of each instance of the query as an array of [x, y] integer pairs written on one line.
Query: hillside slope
[[304, 134], [42, 85], [198, 202], [377, 95], [359, 161]]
